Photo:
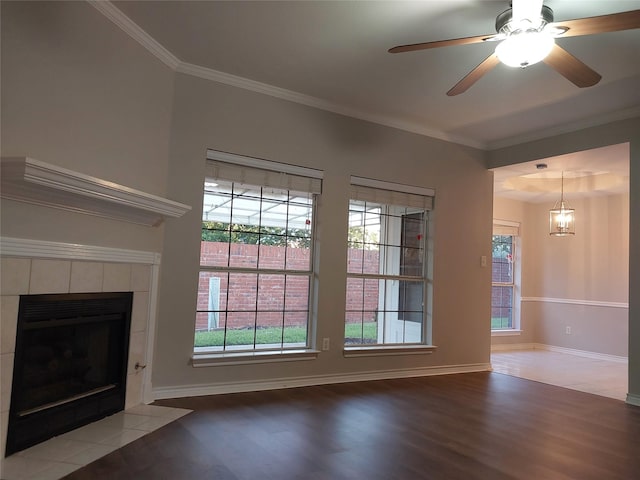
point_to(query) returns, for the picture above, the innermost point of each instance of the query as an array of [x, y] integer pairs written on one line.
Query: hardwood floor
[[469, 426]]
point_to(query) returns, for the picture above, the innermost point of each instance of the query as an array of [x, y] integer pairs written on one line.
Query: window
[[387, 265], [504, 276], [256, 258]]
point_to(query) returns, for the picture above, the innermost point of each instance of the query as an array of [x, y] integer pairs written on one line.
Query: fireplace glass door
[[70, 365]]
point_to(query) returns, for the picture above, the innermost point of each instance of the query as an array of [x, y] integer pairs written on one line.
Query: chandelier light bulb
[[561, 217], [562, 221]]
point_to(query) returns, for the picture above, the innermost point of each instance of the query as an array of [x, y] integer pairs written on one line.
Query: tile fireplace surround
[[35, 267]]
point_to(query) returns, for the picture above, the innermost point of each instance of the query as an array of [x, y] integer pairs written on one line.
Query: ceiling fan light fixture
[[527, 33], [521, 49]]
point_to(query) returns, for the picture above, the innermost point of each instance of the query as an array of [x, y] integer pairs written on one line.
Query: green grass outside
[[215, 338], [499, 323], [360, 333]]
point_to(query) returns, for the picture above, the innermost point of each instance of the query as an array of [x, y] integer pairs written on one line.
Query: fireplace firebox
[[70, 365]]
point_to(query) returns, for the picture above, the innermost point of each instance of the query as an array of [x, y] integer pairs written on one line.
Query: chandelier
[[562, 217]]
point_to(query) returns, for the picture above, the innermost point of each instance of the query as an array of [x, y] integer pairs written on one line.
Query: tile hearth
[[97, 270], [59, 456], [592, 375]]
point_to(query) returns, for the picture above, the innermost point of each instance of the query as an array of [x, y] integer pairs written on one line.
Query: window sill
[[215, 359], [379, 350], [506, 333]]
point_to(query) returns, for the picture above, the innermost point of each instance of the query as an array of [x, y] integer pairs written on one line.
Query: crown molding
[[132, 29], [147, 41], [153, 46], [284, 94]]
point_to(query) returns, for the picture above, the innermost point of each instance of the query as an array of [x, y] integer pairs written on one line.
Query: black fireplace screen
[[70, 364]]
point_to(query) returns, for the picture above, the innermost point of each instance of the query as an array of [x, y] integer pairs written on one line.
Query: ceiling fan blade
[[526, 10], [605, 23], [474, 75], [441, 43], [571, 68]]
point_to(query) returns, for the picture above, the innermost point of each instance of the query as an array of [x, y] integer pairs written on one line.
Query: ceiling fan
[[527, 34]]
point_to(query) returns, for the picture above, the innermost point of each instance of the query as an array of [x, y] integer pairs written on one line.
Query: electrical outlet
[[567, 330], [325, 344], [483, 261]]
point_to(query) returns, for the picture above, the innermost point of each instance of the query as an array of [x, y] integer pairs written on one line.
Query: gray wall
[[614, 133], [209, 115], [80, 94], [77, 92]]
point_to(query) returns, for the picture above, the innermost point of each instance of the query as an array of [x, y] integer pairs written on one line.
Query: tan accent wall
[[591, 265], [580, 281]]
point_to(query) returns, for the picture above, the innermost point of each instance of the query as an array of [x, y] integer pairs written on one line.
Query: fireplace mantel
[[32, 181]]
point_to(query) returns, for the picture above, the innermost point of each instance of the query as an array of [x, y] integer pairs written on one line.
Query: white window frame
[[398, 194], [511, 228], [293, 178]]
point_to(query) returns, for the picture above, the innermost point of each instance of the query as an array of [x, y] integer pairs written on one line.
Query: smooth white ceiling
[[598, 172], [336, 51]]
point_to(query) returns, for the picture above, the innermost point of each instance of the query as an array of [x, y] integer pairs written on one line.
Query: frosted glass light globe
[[524, 49]]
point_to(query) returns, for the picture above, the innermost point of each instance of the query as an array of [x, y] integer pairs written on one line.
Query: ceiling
[[333, 55], [598, 172]]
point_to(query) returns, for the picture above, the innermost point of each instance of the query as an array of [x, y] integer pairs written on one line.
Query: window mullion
[[363, 300], [384, 312], [286, 251], [248, 205], [255, 312], [207, 268], [226, 307], [404, 278], [400, 296], [231, 208]]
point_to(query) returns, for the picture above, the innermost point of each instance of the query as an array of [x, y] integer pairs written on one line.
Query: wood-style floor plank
[[469, 426]]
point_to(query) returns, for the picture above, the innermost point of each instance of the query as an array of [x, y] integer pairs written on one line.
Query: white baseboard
[[553, 348], [582, 353], [255, 386], [633, 399]]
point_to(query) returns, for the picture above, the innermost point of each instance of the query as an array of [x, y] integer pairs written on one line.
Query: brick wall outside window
[[243, 288]]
